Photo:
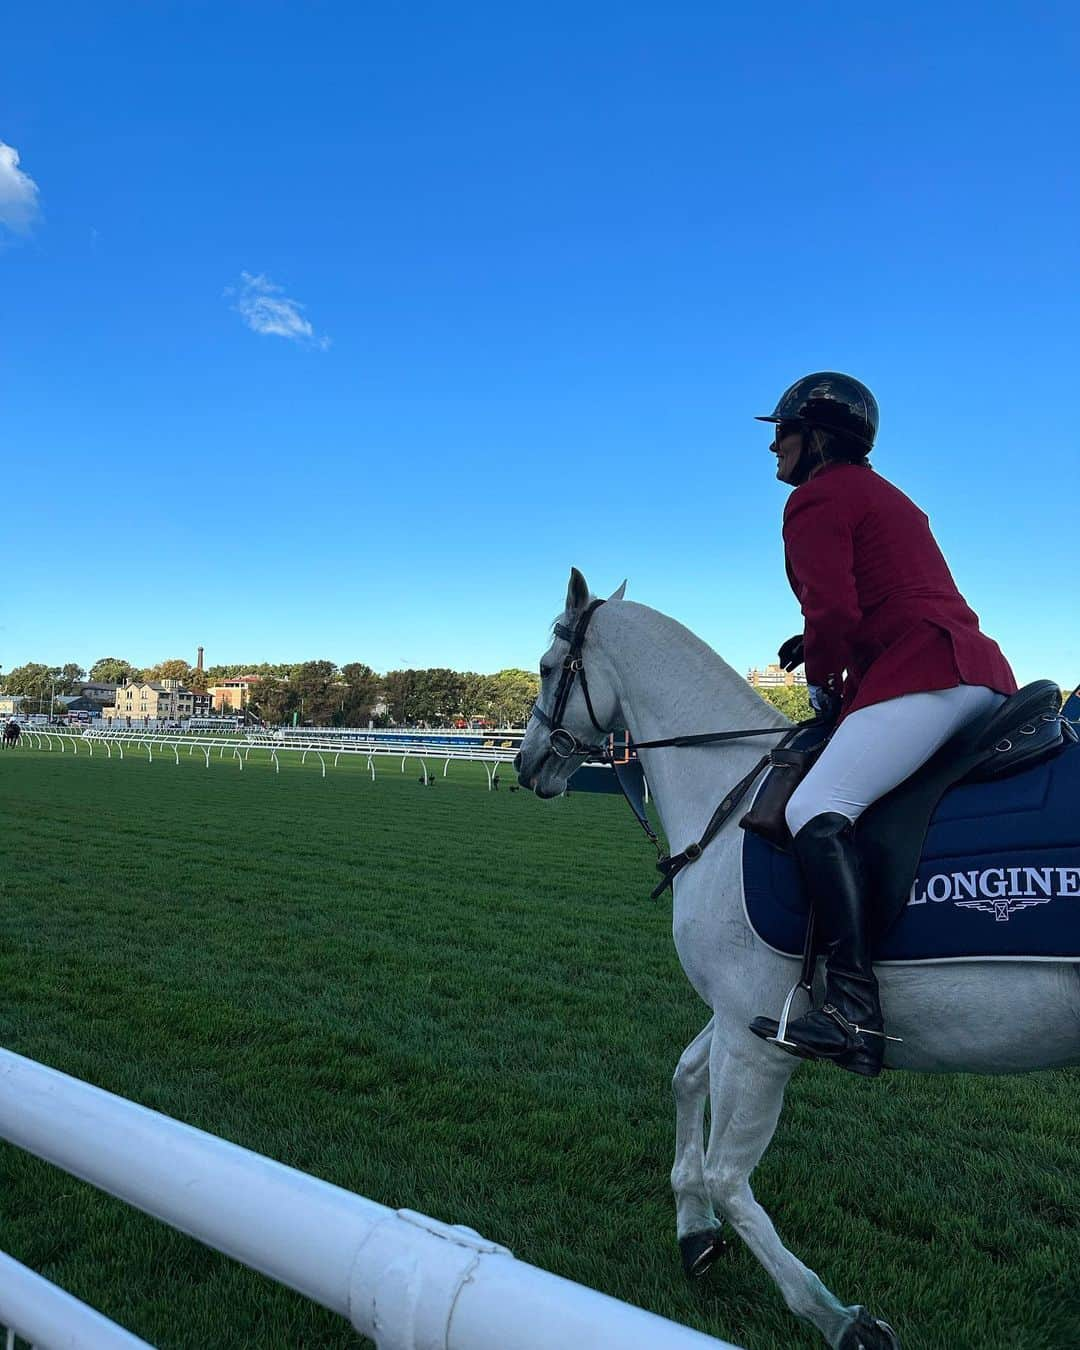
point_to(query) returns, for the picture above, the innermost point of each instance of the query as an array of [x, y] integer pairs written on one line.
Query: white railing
[[238, 748], [398, 733], [406, 1281], [49, 1317], [358, 743]]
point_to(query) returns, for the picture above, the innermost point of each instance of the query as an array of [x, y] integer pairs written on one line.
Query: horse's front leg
[[698, 1229], [747, 1092]]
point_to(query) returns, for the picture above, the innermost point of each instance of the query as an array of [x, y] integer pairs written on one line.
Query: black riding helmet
[[830, 402]]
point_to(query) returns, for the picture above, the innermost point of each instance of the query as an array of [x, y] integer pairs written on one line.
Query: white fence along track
[[49, 1318], [405, 1281], [238, 748]]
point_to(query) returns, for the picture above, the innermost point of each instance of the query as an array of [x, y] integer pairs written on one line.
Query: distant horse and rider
[[12, 732]]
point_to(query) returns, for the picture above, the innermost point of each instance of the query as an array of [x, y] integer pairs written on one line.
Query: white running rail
[[353, 745], [406, 1281], [238, 748], [49, 1318]]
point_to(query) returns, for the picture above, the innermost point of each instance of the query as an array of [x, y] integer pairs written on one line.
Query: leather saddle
[[1024, 730]]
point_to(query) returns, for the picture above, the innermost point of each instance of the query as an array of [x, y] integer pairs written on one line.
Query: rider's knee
[[804, 806]]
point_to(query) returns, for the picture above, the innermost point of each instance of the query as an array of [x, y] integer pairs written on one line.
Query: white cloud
[[263, 307], [18, 193]]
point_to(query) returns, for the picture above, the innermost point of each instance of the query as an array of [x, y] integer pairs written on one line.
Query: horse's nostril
[[517, 761]]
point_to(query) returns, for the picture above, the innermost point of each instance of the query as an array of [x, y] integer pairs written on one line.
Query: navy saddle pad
[[999, 876]]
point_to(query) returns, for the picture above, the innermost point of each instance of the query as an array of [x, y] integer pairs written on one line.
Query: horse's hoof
[[700, 1250], [868, 1333]]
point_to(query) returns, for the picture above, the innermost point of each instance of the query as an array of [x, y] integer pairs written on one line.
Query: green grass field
[[463, 1002]]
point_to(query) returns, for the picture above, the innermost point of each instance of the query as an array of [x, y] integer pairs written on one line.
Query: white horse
[[651, 675]]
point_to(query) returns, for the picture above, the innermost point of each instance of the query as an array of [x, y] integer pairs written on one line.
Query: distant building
[[86, 696], [189, 703], [101, 692], [157, 700], [138, 699], [71, 703], [776, 677], [233, 694]]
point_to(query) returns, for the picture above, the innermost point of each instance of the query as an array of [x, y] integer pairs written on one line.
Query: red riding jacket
[[877, 595]]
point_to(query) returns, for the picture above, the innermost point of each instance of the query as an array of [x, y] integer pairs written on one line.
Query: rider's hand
[[791, 652], [826, 703]]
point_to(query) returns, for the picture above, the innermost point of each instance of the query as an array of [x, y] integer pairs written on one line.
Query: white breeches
[[875, 748]]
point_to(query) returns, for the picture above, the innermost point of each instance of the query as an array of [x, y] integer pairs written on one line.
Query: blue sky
[[537, 271]]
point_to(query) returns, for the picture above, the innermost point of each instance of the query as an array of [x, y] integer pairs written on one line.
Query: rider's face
[[787, 447]]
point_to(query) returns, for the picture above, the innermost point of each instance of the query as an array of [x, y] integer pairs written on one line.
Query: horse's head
[[578, 703]]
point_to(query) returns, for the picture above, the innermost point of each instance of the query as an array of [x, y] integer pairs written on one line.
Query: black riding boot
[[848, 1027]]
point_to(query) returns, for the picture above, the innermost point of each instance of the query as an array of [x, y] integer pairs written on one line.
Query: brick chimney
[[198, 663]]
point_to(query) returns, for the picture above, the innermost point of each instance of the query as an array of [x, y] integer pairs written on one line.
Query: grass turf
[[462, 1002]]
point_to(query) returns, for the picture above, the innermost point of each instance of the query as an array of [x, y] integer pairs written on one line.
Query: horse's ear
[[620, 593], [577, 592]]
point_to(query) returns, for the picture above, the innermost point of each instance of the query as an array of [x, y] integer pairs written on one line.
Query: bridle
[[562, 743], [565, 745]]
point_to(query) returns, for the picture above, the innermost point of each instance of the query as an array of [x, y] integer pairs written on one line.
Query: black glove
[[791, 652], [826, 703]]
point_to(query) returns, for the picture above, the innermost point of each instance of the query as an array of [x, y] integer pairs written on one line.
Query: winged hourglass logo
[[999, 908]]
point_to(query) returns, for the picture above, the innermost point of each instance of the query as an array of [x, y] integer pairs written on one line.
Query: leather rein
[[565, 745]]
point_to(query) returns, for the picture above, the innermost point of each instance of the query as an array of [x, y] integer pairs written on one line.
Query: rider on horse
[[895, 662]]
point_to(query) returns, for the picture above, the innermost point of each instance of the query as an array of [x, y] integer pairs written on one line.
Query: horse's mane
[[682, 652]]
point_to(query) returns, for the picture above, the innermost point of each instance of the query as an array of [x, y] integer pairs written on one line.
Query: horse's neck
[[670, 683]]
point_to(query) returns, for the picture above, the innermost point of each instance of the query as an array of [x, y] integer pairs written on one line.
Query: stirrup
[[781, 1029], [853, 1028]]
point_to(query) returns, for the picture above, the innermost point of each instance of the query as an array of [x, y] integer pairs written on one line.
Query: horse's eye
[[545, 671]]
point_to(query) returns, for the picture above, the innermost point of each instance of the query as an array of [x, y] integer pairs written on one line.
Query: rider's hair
[[834, 447]]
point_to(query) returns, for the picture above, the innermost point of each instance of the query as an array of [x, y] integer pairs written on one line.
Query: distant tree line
[[353, 694], [41, 682], [318, 692]]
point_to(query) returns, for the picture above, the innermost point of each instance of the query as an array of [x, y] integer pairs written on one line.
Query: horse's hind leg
[[698, 1229], [747, 1093]]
